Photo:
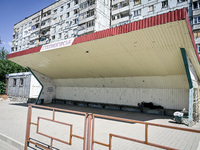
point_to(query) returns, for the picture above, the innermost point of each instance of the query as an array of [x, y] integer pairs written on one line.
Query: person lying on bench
[[149, 105]]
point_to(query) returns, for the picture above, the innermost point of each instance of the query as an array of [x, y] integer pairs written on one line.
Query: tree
[[7, 67]]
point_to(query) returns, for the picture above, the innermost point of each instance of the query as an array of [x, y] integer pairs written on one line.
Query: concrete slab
[[13, 125]]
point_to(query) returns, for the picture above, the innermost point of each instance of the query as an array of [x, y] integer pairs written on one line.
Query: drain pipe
[[40, 84], [190, 117]]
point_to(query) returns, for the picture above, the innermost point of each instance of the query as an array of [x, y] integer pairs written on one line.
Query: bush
[[2, 87]]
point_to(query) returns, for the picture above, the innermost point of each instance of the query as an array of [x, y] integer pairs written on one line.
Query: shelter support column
[[184, 56], [48, 90]]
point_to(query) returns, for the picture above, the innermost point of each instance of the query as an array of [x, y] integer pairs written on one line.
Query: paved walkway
[[6, 146], [13, 124]]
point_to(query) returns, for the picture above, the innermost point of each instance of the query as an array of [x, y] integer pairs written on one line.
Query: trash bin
[[178, 117]]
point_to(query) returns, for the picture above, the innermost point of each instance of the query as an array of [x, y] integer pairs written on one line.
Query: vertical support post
[[190, 117], [53, 118], [185, 61], [51, 145], [28, 126], [85, 129], [146, 133], [110, 141], [93, 133], [70, 140], [89, 131]]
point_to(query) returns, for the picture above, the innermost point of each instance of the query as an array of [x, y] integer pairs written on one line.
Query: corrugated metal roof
[[153, 51]]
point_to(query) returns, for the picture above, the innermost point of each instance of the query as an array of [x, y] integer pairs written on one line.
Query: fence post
[[146, 133], [88, 142], [28, 126]]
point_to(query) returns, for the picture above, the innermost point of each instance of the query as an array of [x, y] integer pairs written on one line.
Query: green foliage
[[7, 67], [2, 87]]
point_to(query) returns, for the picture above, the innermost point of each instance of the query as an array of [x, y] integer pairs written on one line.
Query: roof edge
[[171, 16]]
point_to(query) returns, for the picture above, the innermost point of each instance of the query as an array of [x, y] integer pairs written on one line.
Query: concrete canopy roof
[[149, 51]]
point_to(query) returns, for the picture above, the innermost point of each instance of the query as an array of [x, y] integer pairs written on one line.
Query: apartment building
[[62, 20], [125, 11], [66, 19], [196, 22]]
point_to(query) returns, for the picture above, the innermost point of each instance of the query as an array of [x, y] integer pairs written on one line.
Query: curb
[[12, 142]]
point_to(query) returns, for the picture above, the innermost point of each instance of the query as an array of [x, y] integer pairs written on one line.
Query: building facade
[[62, 20], [196, 22], [68, 19], [125, 11]]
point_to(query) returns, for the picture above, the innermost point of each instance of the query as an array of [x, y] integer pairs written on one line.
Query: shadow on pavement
[[102, 111]]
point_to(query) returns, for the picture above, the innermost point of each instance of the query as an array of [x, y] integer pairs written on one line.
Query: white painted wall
[[169, 91], [102, 21], [48, 92], [168, 98], [35, 87]]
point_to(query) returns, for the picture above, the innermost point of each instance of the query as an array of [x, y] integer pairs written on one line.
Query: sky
[[12, 12]]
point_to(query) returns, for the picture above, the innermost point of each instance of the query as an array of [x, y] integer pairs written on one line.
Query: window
[[75, 2], [66, 34], [76, 11], [55, 11], [90, 23], [115, 7], [90, 13], [75, 32], [137, 12], [164, 4], [68, 5], [75, 21], [60, 35], [61, 17], [151, 8], [196, 34], [14, 82], [21, 81], [67, 15], [61, 8], [179, 1], [53, 37], [67, 23], [136, 2], [196, 5], [49, 12], [54, 20], [198, 48], [196, 19]]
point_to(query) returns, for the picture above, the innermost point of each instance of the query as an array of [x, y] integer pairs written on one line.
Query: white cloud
[[10, 43]]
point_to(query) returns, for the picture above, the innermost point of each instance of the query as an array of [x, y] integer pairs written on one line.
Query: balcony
[[46, 25], [46, 17], [197, 40], [88, 8], [117, 21], [85, 30], [42, 42], [45, 34], [34, 37], [117, 1], [126, 8], [34, 30], [196, 12], [196, 26], [81, 21]]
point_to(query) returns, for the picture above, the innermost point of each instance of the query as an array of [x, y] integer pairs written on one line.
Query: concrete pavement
[[13, 125]]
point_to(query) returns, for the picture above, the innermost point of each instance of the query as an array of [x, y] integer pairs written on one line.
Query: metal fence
[[88, 136]]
